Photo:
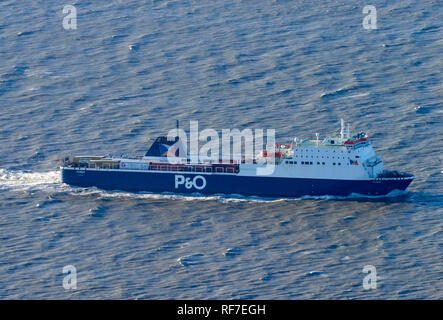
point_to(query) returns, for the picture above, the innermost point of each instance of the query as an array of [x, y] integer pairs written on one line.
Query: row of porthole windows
[[307, 150], [310, 163], [318, 150], [322, 157]]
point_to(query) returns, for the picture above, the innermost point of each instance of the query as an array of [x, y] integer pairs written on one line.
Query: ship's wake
[[50, 181], [22, 180]]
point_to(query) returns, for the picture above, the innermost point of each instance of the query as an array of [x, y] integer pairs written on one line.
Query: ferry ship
[[338, 165]]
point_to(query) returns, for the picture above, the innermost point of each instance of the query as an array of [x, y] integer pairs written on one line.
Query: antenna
[[316, 134], [348, 132], [177, 124]]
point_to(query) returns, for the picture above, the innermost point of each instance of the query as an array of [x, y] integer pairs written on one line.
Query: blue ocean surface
[[131, 68]]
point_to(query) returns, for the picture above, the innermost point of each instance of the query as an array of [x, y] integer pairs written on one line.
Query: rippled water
[[132, 68]]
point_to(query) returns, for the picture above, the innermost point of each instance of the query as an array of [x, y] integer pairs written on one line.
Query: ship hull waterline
[[195, 182]]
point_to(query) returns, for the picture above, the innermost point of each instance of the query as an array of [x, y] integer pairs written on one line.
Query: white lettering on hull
[[198, 182]]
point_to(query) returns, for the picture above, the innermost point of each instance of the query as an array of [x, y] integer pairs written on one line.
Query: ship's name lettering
[[198, 182]]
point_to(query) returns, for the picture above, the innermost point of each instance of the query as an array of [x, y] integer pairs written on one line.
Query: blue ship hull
[[180, 182]]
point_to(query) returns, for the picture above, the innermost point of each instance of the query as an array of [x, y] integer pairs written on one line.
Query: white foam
[[392, 194], [359, 95], [233, 198], [146, 195], [21, 179]]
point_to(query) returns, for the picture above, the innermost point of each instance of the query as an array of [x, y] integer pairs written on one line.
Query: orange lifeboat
[[269, 154]]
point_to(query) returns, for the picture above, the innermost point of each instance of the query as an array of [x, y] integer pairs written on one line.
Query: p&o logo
[[198, 182]]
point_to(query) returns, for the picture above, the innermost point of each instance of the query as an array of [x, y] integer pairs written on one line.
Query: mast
[[342, 130]]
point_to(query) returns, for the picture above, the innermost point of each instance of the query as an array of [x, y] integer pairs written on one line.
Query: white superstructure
[[335, 157], [342, 158]]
